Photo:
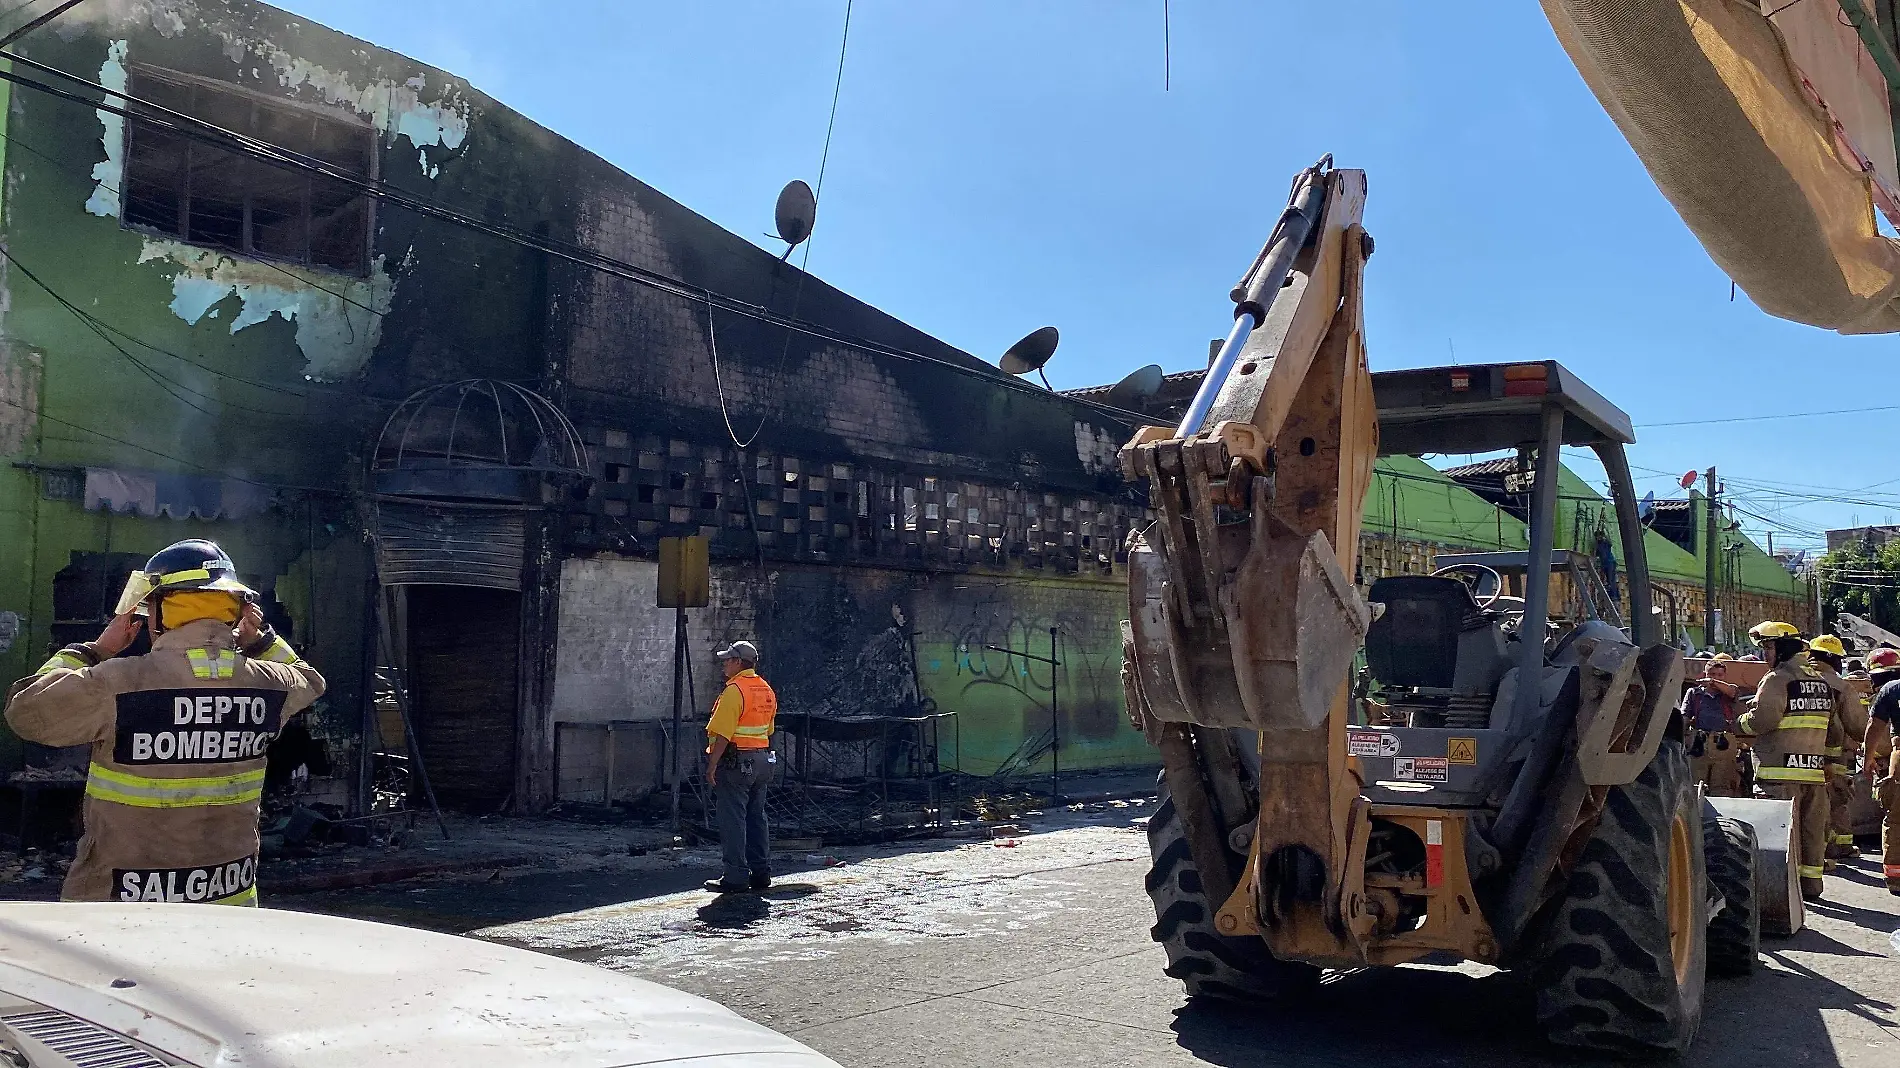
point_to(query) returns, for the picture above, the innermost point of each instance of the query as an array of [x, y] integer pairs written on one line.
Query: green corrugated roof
[[1411, 499]]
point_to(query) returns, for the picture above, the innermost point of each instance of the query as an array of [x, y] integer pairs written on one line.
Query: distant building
[[1874, 536]]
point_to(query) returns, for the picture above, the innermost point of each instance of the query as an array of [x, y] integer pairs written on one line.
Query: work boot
[[761, 882], [720, 886]]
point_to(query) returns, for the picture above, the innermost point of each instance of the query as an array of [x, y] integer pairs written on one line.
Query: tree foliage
[[1862, 578]]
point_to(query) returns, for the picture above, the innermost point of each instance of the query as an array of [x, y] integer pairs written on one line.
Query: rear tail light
[[1526, 380]]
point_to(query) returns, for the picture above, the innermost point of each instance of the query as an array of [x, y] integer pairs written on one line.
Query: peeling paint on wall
[[19, 396], [337, 329], [1096, 448], [395, 108], [110, 172]]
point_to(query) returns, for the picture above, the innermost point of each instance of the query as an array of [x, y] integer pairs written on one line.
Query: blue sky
[[1000, 165]]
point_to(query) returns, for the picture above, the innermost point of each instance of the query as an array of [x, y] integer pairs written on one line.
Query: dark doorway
[[463, 647]]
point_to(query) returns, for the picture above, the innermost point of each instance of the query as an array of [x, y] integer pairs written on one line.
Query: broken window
[[208, 196]]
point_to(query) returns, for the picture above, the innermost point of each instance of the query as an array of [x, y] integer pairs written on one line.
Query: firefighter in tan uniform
[[1791, 714], [1826, 655], [178, 735], [1883, 758]]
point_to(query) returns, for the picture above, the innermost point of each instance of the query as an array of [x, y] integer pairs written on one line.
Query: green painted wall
[[1002, 698]]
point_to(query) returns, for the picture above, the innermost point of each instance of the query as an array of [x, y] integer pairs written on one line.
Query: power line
[[179, 124], [804, 262], [161, 454], [300, 392], [167, 385], [38, 22], [1761, 418]]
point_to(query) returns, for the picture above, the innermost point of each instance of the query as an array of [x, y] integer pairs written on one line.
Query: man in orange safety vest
[[739, 766]]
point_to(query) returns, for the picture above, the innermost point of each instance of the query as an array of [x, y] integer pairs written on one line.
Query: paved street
[[971, 953]]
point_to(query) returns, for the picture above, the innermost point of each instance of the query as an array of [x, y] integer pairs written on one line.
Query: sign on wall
[[685, 575]]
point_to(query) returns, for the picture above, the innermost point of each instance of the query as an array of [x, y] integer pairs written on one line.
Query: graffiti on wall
[[884, 644], [986, 656]]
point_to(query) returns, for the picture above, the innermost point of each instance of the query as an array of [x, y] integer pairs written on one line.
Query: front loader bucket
[[1777, 865], [1295, 622]]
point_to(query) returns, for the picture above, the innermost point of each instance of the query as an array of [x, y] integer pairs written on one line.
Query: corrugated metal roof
[[1504, 465]]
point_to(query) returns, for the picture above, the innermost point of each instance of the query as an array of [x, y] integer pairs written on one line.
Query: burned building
[[440, 379]]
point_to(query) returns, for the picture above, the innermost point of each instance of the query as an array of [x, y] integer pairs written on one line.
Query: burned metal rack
[[858, 779]]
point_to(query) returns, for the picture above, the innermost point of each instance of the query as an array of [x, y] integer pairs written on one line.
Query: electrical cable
[[163, 455], [197, 129], [798, 290], [14, 35], [1762, 418], [164, 384], [300, 392]]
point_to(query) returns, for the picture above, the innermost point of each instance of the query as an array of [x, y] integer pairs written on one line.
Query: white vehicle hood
[[258, 988]]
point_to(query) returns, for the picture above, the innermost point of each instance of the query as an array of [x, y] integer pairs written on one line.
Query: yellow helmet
[[1770, 628], [1829, 644]]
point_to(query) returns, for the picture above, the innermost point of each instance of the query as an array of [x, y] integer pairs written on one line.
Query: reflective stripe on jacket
[[1792, 714], [179, 738], [758, 713]]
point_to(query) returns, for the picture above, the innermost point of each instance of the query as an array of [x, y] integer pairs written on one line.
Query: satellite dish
[[796, 211], [1138, 386], [1688, 480], [1648, 505], [1032, 352]]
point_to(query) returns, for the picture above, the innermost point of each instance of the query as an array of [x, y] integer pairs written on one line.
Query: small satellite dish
[[1688, 480], [1647, 507], [1138, 386], [1031, 353], [797, 210]]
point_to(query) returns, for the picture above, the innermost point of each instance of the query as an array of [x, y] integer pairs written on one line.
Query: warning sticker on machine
[[1372, 744], [1421, 769], [1461, 750]]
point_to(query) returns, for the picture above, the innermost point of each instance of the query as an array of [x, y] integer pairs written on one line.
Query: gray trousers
[[739, 799]]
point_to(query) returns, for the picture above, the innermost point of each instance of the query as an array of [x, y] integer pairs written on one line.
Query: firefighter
[[1788, 721], [1826, 655], [1709, 710], [178, 735], [1883, 758], [739, 766]]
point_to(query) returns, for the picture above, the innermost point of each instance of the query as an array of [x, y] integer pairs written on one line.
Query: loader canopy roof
[[1488, 408]]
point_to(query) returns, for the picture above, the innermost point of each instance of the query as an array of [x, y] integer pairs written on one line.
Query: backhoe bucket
[[1777, 864], [1295, 622]]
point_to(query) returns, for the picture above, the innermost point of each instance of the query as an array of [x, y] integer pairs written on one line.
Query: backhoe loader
[[1523, 800]]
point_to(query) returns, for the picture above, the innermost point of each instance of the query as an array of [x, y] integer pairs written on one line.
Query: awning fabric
[[1776, 169]]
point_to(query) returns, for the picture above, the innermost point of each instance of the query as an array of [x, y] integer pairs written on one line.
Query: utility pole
[[1709, 555]]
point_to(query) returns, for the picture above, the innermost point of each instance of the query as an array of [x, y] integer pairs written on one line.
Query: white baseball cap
[[739, 650]]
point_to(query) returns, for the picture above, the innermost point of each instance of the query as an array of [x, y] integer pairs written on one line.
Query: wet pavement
[[952, 953]]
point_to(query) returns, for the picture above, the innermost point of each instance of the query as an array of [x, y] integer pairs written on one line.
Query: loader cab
[[1447, 650]]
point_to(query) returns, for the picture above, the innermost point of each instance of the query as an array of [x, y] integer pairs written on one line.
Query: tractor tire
[[1735, 931], [1208, 963], [1623, 961]]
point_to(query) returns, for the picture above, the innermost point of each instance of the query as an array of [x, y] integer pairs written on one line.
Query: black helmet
[[187, 565]]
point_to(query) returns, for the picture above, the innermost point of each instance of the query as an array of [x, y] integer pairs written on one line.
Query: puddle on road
[[895, 900]]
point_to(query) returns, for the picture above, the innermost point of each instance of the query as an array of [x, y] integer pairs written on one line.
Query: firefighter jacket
[[1790, 720], [1849, 713], [178, 741]]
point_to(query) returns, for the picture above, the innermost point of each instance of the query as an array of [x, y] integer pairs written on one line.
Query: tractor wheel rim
[[1681, 900]]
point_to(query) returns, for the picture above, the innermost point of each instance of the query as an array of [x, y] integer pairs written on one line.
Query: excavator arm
[[1243, 612]]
